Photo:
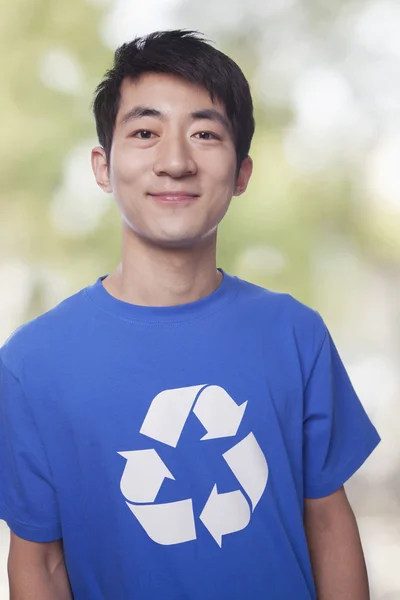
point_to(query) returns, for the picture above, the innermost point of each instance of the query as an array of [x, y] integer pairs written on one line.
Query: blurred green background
[[321, 217]]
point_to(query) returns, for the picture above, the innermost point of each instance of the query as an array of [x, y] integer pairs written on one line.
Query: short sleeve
[[27, 497], [337, 433]]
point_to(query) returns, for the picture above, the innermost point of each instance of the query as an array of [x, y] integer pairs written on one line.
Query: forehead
[[165, 92]]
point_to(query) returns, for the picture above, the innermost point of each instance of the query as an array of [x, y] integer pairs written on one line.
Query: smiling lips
[[175, 196]]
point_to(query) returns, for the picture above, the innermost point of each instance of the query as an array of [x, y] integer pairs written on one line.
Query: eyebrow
[[209, 114], [140, 111]]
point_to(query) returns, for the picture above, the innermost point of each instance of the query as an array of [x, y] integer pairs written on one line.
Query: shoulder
[[290, 333], [44, 334], [280, 306], [281, 316]]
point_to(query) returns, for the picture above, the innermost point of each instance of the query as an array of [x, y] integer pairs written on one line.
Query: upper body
[[171, 431], [172, 447]]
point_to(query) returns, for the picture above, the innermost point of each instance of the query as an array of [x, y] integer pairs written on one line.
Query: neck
[[152, 276]]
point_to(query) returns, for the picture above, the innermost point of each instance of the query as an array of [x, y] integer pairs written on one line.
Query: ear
[[243, 177], [100, 169]]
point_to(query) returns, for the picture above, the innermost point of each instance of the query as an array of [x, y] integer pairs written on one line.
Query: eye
[[207, 135], [142, 134]]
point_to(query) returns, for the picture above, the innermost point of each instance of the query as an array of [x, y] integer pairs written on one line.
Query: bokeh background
[[321, 217]]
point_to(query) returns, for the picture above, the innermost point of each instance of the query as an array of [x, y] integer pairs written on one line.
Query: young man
[[171, 431]]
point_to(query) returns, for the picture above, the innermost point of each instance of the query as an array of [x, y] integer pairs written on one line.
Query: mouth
[[174, 196]]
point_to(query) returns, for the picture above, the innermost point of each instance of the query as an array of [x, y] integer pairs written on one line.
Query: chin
[[177, 243], [180, 240]]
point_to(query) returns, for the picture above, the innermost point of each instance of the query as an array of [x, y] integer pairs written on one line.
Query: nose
[[174, 158]]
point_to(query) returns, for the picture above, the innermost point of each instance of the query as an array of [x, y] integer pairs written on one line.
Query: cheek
[[223, 182], [221, 169], [128, 171]]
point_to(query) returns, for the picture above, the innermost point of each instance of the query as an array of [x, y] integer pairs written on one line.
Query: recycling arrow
[[169, 523], [218, 412], [225, 513], [167, 414], [143, 475], [248, 464]]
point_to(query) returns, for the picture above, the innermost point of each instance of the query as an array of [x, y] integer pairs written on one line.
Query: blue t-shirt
[[172, 447]]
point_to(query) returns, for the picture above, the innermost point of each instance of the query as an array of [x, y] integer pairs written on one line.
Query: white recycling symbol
[[144, 473]]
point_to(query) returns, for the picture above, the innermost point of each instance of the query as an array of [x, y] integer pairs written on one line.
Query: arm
[[37, 570], [335, 548]]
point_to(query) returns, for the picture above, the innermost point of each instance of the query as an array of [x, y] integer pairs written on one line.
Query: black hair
[[184, 53]]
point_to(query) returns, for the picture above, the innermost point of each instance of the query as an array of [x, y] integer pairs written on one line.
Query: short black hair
[[184, 53]]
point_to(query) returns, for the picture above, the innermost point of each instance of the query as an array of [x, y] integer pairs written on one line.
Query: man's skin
[[37, 570], [169, 258]]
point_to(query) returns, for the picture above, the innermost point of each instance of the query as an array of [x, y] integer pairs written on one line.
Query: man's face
[[172, 167]]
